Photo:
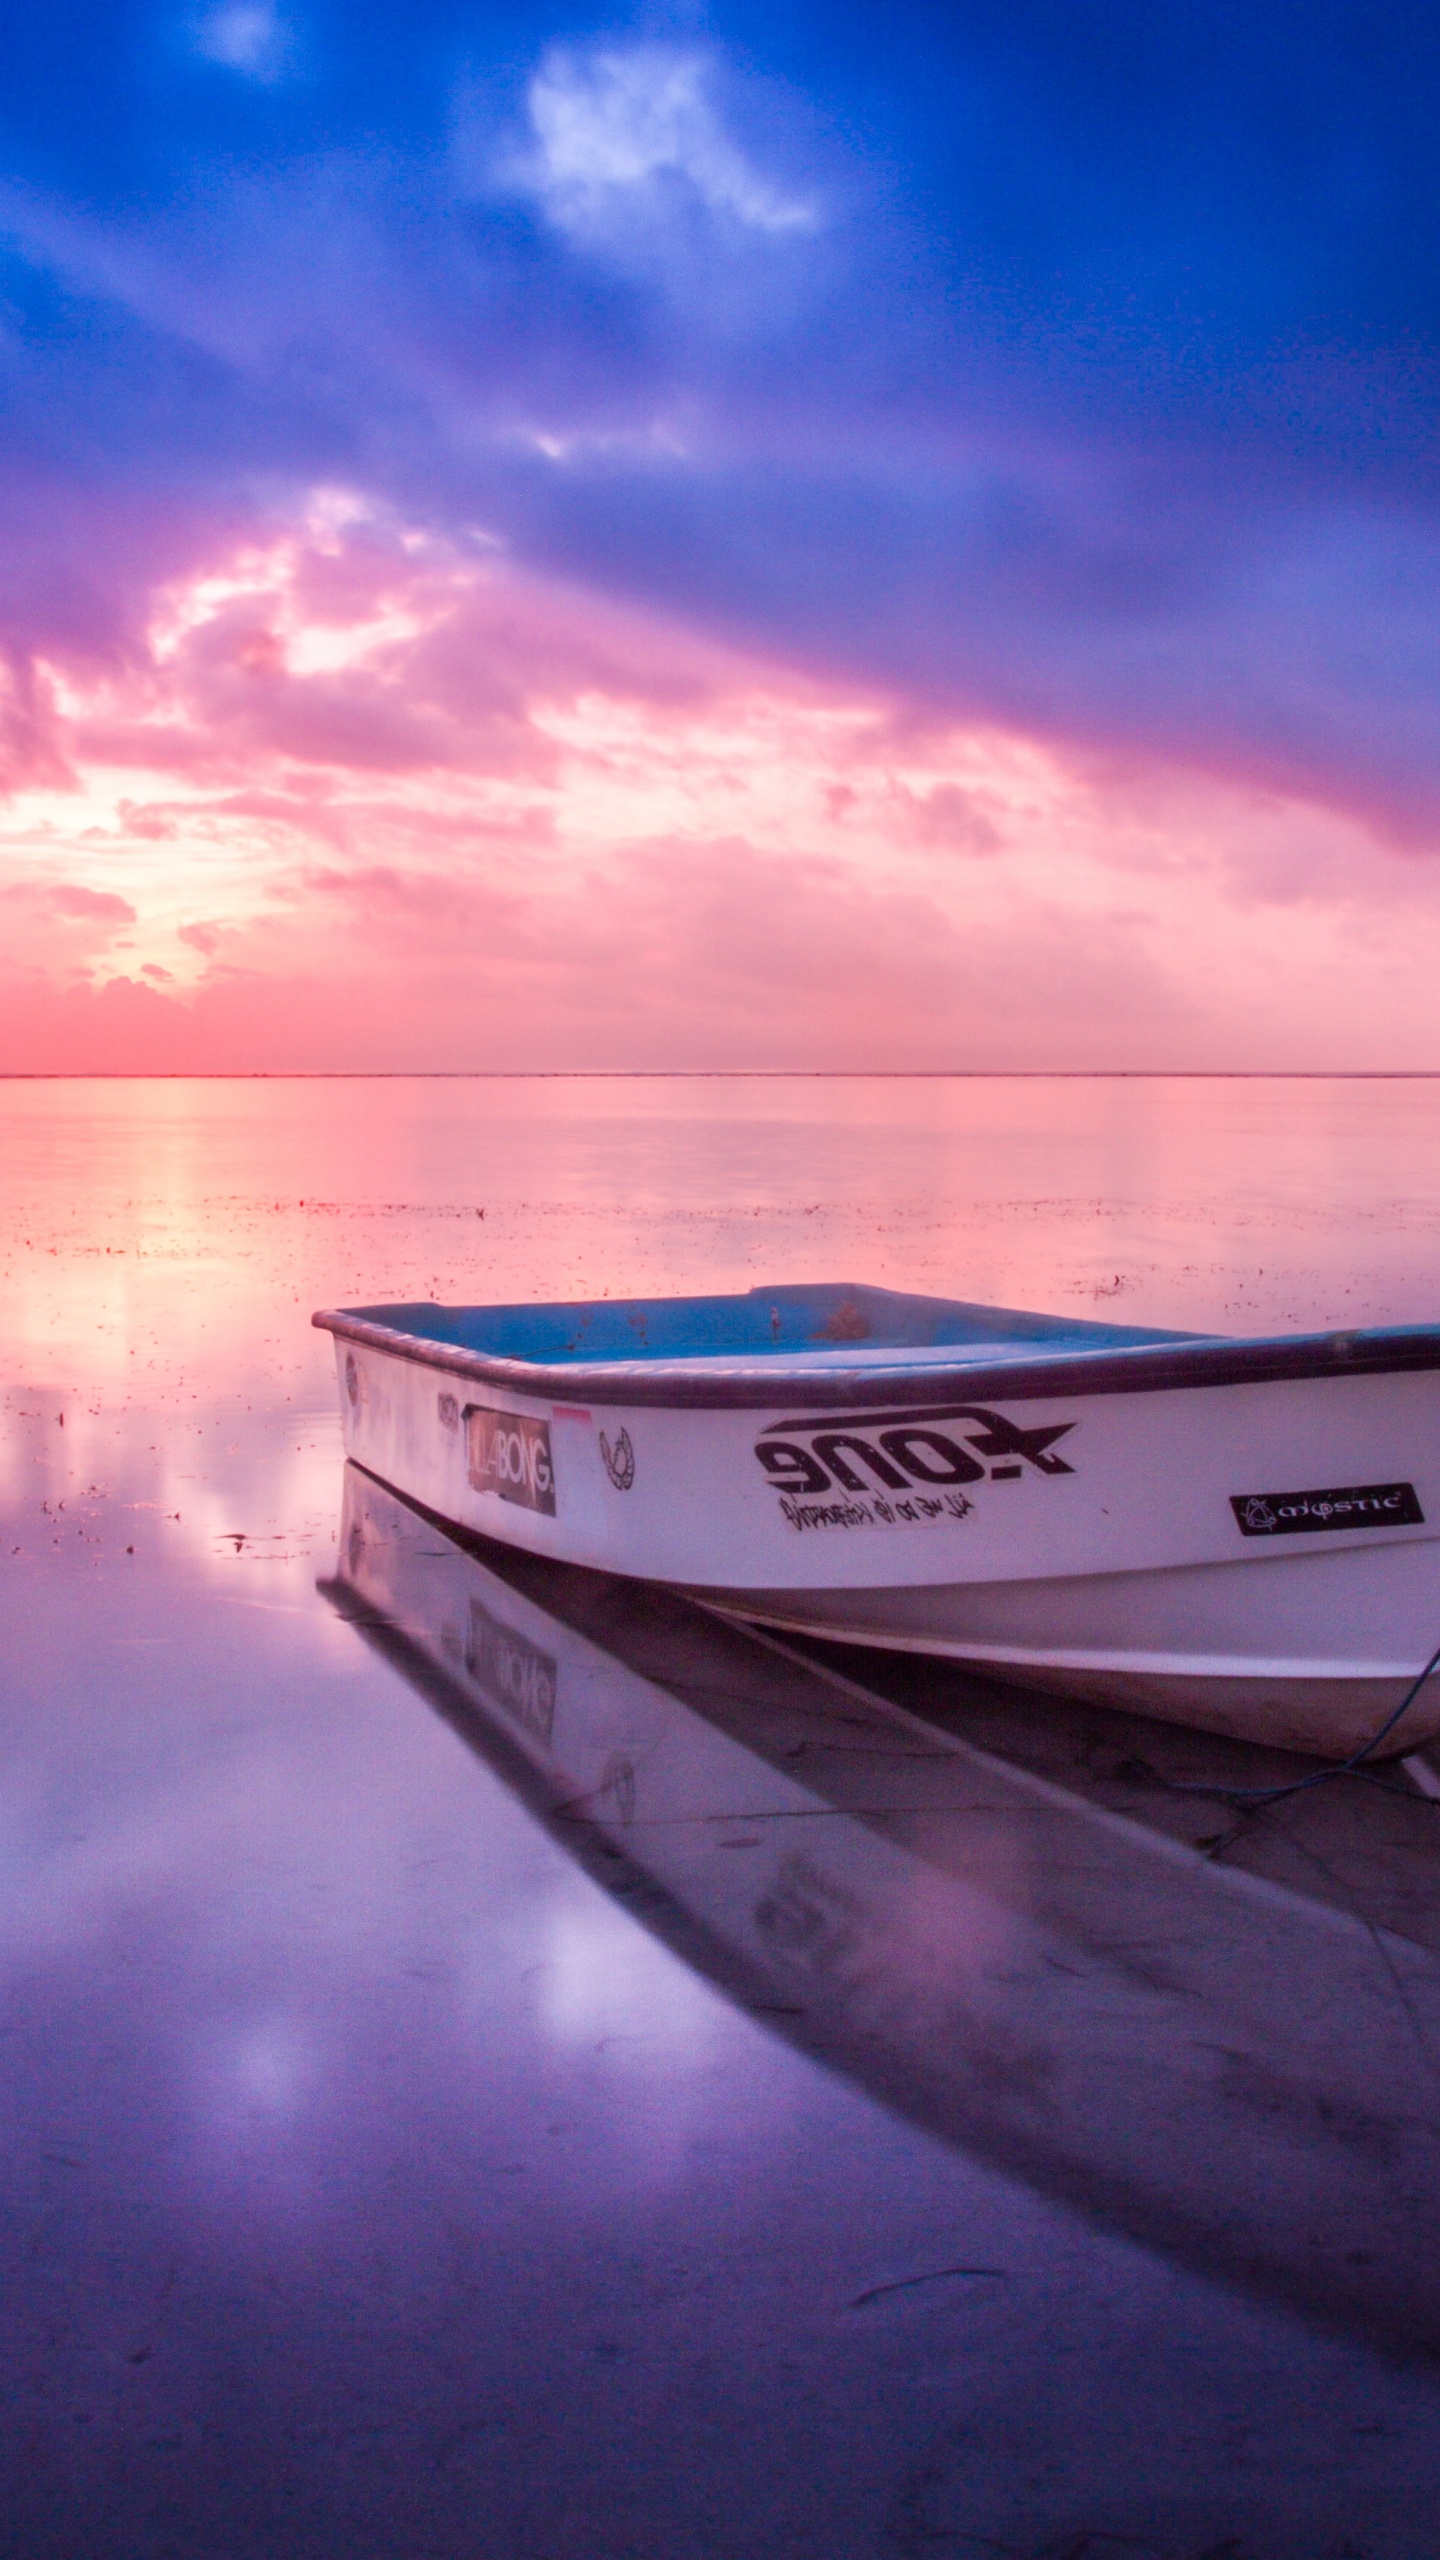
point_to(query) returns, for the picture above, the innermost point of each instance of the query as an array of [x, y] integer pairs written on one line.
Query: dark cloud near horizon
[[1070, 366]]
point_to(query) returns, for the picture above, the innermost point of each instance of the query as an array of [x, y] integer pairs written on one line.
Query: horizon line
[[703, 1075]]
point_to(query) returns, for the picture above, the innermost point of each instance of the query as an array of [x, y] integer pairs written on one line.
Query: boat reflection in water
[[1217, 2034]]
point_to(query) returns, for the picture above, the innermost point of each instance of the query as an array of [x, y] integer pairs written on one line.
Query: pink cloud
[[819, 973], [72, 898], [364, 800], [32, 744]]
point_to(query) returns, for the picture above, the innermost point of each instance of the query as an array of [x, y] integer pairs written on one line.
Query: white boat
[[1234, 1534]]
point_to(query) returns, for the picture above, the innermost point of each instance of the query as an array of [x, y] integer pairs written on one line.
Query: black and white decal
[[1333, 1506], [847, 1470], [619, 1461]]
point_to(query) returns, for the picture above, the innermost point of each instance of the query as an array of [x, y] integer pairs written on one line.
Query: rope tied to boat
[[1353, 1767]]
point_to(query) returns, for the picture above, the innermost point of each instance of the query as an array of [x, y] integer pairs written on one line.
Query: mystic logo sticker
[[509, 1454], [1344, 1506], [900, 1467]]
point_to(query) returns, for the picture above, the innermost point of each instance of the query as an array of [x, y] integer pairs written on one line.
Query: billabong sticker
[[1344, 1506], [509, 1454]]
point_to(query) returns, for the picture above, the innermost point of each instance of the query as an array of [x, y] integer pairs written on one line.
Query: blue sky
[[1068, 369]]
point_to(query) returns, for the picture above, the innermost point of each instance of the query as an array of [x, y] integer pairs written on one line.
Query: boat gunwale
[[730, 1384]]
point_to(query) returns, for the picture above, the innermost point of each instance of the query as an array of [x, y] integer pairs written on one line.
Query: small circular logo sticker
[[619, 1461]]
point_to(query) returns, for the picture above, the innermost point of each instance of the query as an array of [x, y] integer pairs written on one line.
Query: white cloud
[[247, 36], [623, 138]]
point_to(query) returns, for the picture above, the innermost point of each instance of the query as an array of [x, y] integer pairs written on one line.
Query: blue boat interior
[[778, 1321]]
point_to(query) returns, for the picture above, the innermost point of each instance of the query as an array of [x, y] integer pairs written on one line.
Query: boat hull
[[1253, 1556], [1284, 1706]]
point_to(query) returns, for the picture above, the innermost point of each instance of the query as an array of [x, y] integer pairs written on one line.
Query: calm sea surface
[[492, 2065]]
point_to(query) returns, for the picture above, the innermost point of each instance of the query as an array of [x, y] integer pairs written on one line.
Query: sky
[[719, 537]]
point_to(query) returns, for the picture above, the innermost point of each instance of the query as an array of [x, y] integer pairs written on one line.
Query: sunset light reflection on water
[[373, 2162]]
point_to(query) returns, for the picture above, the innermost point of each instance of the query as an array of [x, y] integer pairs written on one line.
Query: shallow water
[[483, 2069]]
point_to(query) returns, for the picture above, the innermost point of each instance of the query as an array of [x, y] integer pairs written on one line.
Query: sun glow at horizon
[[369, 777]]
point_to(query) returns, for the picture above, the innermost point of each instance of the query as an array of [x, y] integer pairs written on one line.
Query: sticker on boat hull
[[509, 1454], [847, 1471], [619, 1461], [1343, 1506]]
